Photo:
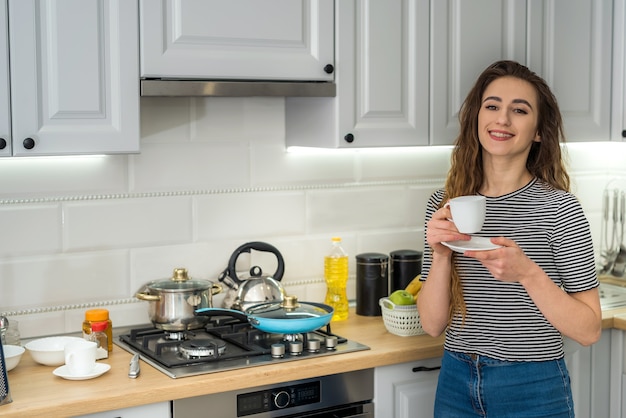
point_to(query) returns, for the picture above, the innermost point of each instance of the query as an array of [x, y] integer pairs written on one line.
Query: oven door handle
[[365, 410]]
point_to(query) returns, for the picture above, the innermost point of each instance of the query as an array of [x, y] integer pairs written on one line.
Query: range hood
[[236, 88]]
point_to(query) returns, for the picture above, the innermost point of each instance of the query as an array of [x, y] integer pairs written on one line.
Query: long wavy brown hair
[[545, 160]]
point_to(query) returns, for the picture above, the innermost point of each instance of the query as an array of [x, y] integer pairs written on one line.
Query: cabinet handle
[[29, 143], [3, 143], [624, 133], [328, 68], [425, 369], [349, 138]]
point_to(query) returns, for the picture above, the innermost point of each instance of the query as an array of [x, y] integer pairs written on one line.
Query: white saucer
[[474, 244], [99, 370]]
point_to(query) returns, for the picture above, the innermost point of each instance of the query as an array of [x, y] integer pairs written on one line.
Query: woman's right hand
[[440, 229]]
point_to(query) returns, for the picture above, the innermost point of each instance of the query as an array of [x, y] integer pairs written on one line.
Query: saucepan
[[173, 301], [281, 317]]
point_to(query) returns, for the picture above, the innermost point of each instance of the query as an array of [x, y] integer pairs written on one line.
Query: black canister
[[405, 266], [372, 282]]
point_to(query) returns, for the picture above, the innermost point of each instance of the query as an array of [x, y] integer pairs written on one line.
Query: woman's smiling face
[[508, 117]]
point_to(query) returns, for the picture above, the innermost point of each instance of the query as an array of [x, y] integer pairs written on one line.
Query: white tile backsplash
[[362, 208], [249, 215], [251, 120], [124, 223], [37, 177], [273, 166], [190, 166], [30, 229], [213, 174], [64, 279]]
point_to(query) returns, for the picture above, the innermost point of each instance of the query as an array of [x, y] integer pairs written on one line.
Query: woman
[[505, 310]]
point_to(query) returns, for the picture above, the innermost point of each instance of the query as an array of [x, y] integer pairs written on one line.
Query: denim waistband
[[482, 359]]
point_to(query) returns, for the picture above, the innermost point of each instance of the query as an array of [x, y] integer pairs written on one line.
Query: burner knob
[[295, 348], [278, 350], [313, 345], [330, 342]]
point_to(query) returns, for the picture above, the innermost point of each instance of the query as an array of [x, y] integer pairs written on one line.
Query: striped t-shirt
[[502, 321]]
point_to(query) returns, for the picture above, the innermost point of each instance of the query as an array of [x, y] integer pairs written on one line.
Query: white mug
[[468, 213], [80, 357]]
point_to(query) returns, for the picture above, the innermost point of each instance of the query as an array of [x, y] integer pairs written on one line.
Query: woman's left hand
[[508, 263]]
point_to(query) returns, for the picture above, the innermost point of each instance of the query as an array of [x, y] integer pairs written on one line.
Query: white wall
[[212, 175]]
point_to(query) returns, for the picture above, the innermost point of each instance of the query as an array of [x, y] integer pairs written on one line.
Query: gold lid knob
[[180, 275]]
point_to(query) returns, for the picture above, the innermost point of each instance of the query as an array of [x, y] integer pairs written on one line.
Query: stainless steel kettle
[[243, 293]]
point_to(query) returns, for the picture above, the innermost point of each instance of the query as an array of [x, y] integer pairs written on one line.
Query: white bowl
[[12, 355], [49, 350]]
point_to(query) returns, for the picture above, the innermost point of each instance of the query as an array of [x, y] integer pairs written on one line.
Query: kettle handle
[[258, 246]]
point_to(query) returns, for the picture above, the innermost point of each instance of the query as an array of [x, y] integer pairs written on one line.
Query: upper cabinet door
[[567, 42], [237, 39], [74, 73], [570, 46], [618, 114], [5, 88], [389, 106], [382, 81], [465, 38]]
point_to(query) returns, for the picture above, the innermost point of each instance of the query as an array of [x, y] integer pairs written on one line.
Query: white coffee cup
[[468, 213], [80, 357]]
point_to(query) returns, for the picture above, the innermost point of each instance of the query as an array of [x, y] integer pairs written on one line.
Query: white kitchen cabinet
[[465, 38], [600, 379], [567, 42], [155, 410], [619, 71], [72, 77], [404, 68], [578, 360], [237, 39], [406, 390], [590, 370], [571, 47], [382, 80], [5, 87], [617, 387]]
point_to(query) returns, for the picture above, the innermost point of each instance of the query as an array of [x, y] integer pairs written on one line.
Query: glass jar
[[98, 315], [99, 336]]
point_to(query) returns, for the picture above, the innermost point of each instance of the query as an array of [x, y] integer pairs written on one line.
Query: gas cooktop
[[226, 344]]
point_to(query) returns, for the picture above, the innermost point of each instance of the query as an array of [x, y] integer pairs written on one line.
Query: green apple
[[402, 297]]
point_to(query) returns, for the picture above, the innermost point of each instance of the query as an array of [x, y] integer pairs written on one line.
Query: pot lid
[[372, 258], [180, 280], [289, 308], [406, 255]]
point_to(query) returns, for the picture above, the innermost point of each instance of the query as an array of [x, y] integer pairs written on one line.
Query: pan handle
[[222, 312]]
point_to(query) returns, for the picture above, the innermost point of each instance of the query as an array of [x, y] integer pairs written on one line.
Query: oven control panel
[[278, 398]]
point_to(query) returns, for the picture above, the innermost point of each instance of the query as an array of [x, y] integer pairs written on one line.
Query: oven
[[340, 395], [227, 343]]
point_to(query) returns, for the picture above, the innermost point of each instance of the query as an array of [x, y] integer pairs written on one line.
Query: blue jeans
[[479, 386]]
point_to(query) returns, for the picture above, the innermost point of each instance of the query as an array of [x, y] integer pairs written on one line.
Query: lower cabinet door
[[406, 390]]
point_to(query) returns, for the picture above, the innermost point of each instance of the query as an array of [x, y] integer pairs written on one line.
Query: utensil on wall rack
[[613, 249], [619, 265]]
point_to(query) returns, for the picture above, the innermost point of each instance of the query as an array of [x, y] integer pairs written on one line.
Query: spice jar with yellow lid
[[98, 315]]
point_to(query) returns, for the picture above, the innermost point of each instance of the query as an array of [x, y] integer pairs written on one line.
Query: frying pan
[[283, 317]]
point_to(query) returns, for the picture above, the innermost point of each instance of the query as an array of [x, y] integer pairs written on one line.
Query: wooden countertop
[[619, 320], [36, 392]]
